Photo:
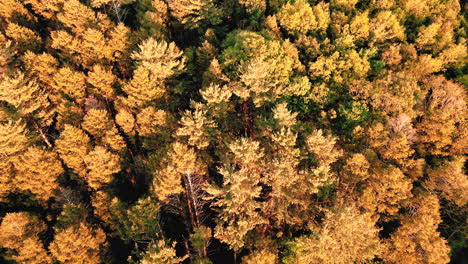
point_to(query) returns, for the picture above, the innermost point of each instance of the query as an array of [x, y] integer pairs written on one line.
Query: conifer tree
[[160, 253], [20, 232], [101, 165], [237, 196], [37, 170], [78, 244], [73, 145], [25, 96], [347, 236], [417, 239], [12, 137]]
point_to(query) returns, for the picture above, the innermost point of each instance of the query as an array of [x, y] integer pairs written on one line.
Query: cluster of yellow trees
[[250, 131]]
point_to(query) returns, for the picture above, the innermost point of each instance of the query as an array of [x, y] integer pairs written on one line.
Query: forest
[[233, 131]]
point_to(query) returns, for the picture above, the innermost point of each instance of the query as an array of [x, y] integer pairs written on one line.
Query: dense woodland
[[233, 131]]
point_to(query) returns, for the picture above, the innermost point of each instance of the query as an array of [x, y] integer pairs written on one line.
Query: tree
[[12, 137], [285, 117], [445, 106], [20, 232], [24, 95], [450, 180], [360, 25], [385, 191], [237, 196], [37, 170], [196, 125], [264, 256], [101, 165], [386, 26], [417, 240], [149, 120], [102, 80], [70, 83], [156, 62], [193, 12], [160, 253], [347, 236], [17, 227], [78, 244], [162, 59], [22, 35], [181, 161], [73, 146], [33, 252], [99, 124], [140, 222], [42, 66], [76, 16], [300, 17]]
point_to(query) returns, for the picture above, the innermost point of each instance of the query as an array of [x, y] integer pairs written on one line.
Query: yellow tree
[[69, 82], [33, 252], [24, 95], [347, 236], [143, 87], [16, 227], [12, 137], [300, 17], [417, 239], [446, 105], [181, 161], [42, 66], [196, 125], [22, 35], [360, 25], [46, 9], [237, 196], [385, 191], [37, 170], [386, 26], [390, 145], [126, 121], [101, 165], [160, 253], [97, 122], [149, 120], [76, 16], [102, 80], [78, 244], [73, 145], [100, 125], [156, 62], [106, 208], [263, 256], [20, 232], [162, 59], [450, 180]]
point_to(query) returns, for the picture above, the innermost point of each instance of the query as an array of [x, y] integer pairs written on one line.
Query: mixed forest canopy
[[233, 131]]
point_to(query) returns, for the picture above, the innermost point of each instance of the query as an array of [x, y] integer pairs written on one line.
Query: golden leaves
[[162, 59], [102, 79], [25, 95], [70, 82], [80, 244], [101, 165], [181, 160], [160, 253], [73, 146], [347, 236], [37, 171], [195, 125], [12, 137]]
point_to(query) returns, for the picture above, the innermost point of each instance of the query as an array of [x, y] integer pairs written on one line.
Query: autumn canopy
[[233, 131]]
